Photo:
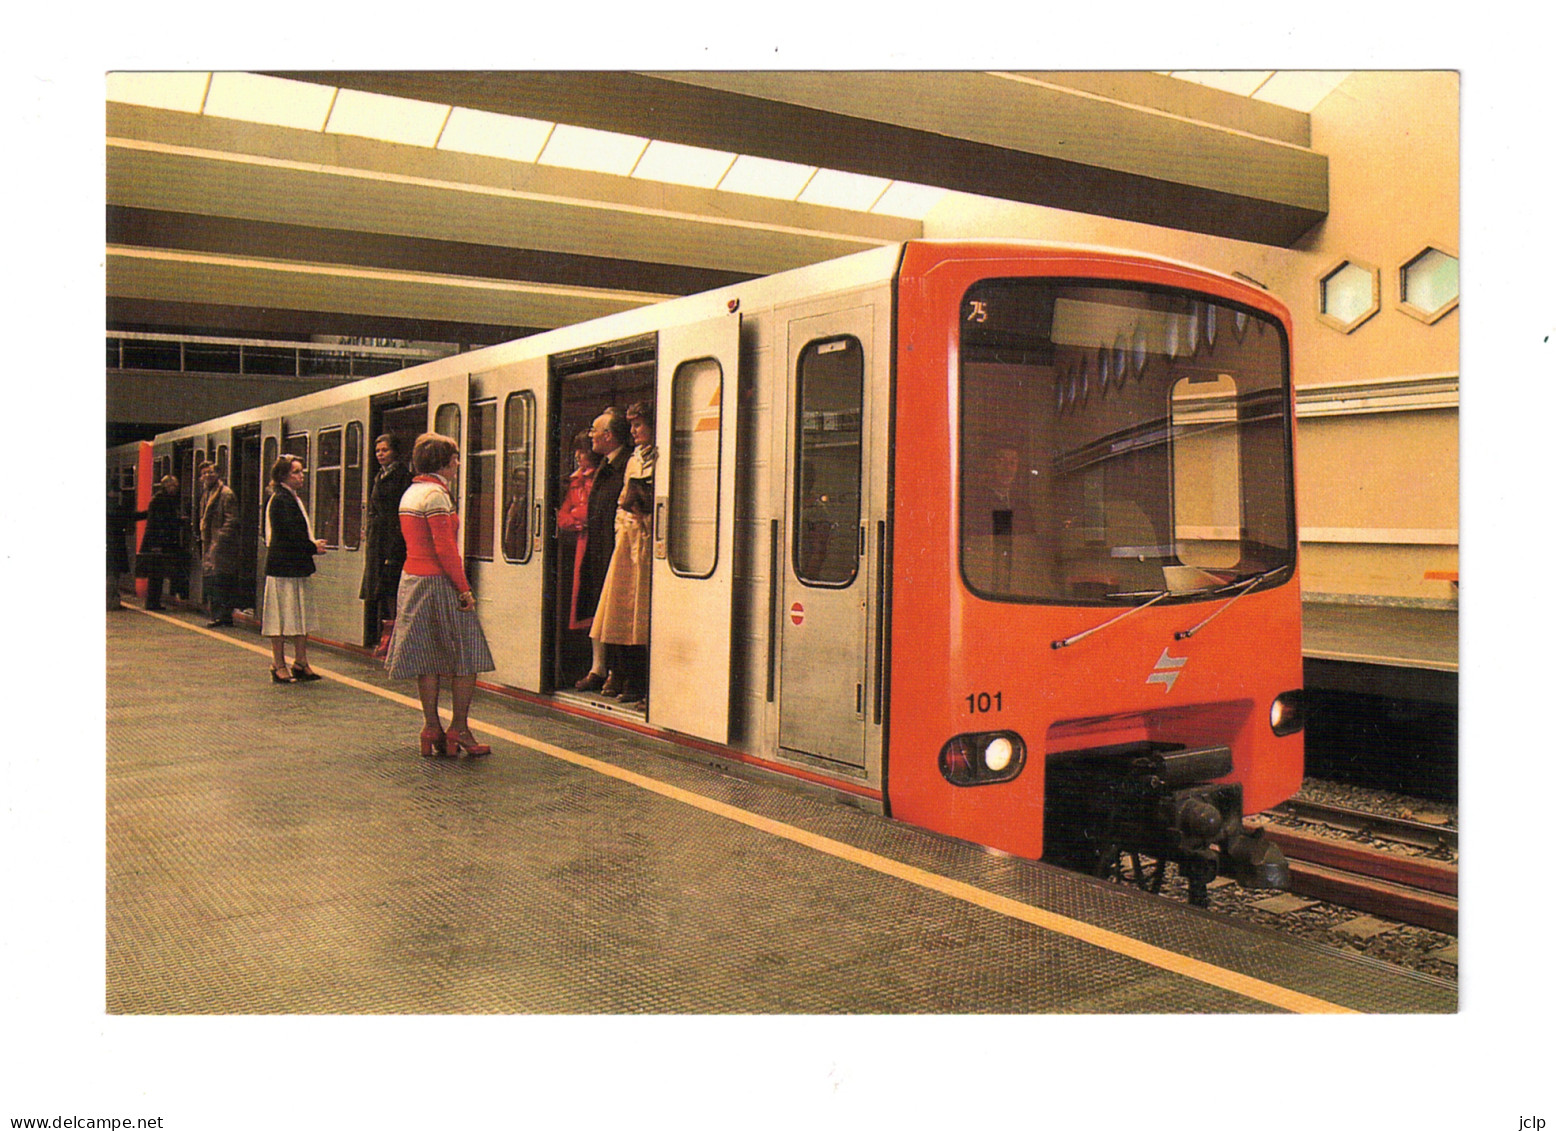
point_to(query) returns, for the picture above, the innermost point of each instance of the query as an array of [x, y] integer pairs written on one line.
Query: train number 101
[[982, 703]]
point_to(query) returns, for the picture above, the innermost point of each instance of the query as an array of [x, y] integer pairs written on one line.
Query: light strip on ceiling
[[688, 165], [494, 135], [162, 90], [1300, 90], [717, 221], [908, 201], [383, 117], [594, 151], [843, 190], [288, 103], [762, 176], [268, 100]]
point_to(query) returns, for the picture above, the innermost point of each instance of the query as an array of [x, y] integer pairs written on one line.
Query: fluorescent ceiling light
[[596, 151], [909, 201], [683, 164], [269, 100], [494, 135], [1234, 82], [1300, 90], [387, 118], [843, 190], [760, 176], [165, 90]]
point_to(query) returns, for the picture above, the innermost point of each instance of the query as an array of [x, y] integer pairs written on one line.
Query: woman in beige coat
[[622, 615]]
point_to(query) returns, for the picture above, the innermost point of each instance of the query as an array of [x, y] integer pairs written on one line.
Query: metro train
[[994, 538]]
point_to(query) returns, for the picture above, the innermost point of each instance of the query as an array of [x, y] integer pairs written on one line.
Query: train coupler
[[1255, 861]]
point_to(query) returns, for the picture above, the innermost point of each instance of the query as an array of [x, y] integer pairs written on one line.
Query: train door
[[246, 479], [822, 708], [270, 430], [694, 528], [447, 398], [505, 533]]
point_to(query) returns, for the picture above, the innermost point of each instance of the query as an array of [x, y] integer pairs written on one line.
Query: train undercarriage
[[1158, 801]]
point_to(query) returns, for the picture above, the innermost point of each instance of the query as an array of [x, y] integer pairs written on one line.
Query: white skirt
[[288, 607]]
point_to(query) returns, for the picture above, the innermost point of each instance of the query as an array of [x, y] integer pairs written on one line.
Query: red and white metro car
[[996, 538]]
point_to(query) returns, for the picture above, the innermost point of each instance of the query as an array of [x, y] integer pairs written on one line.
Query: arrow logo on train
[[1167, 669]]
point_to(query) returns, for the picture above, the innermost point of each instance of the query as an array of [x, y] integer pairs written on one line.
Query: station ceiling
[[300, 223]]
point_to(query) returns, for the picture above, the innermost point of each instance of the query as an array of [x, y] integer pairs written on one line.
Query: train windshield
[[1119, 442]]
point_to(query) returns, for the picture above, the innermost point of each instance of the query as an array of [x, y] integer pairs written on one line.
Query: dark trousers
[[156, 573], [218, 589]]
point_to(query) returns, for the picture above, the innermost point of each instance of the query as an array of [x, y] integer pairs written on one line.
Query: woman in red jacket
[[436, 633], [572, 519]]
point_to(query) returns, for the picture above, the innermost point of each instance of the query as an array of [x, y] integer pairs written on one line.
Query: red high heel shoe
[[463, 740], [433, 743]]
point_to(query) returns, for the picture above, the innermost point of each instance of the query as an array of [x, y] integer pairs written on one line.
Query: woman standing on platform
[[622, 616], [291, 546], [436, 633], [385, 546]]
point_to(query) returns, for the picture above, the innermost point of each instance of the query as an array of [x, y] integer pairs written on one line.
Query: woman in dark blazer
[[384, 554], [288, 612]]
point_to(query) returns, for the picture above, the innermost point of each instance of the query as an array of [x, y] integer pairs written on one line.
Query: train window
[[480, 464], [351, 490], [296, 444], [830, 408], [518, 467], [1110, 433], [326, 477], [696, 425], [445, 422], [221, 461]]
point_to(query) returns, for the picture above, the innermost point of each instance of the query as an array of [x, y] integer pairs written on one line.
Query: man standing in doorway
[[609, 436], [219, 549]]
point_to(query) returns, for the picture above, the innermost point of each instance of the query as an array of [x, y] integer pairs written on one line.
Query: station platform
[[1395, 652], [276, 849]]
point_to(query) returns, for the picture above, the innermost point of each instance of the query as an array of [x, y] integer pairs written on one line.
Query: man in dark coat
[[609, 436], [158, 555], [219, 548]]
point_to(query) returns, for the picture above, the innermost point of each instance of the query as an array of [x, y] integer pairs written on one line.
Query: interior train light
[[982, 759], [1287, 713]]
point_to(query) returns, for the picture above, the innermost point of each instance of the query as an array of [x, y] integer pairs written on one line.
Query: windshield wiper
[[1242, 586], [1159, 594]]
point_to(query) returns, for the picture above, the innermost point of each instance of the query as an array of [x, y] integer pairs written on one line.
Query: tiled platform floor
[[276, 849]]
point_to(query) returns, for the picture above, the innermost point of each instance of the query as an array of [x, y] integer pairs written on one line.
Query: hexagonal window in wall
[[1429, 285], [1347, 295]]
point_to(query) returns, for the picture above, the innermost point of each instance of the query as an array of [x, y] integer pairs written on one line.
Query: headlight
[[982, 759], [1287, 715]]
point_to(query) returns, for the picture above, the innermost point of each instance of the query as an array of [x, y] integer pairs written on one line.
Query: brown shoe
[[591, 682], [612, 686]]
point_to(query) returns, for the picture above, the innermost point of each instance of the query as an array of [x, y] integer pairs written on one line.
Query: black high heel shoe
[[304, 675], [281, 675]]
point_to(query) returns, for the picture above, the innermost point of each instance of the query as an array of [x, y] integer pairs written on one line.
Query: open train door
[[694, 528], [447, 401], [270, 431], [505, 547]]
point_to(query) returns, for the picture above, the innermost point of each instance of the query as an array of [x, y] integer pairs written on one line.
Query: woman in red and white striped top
[[436, 633]]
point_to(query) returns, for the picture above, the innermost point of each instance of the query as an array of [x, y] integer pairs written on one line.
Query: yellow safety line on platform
[[1205, 972]]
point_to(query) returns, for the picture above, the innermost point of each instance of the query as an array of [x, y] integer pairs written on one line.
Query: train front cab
[[1095, 616]]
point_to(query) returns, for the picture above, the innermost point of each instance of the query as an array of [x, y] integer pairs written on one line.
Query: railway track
[[1409, 889]]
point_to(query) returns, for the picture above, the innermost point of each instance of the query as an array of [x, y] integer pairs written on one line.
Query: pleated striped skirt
[[432, 634]]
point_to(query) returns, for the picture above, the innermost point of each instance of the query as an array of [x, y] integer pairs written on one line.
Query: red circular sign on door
[[797, 613]]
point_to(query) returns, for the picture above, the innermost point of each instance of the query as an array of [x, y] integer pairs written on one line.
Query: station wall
[[1377, 434]]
